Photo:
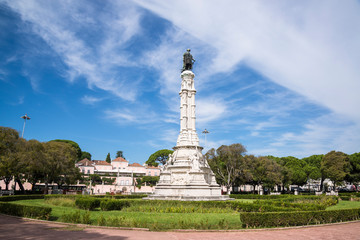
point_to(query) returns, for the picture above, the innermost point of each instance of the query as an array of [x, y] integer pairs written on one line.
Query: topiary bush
[[20, 197], [25, 211], [87, 203], [110, 204], [283, 219]]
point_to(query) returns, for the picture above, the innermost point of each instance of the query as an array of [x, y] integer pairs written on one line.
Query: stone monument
[[186, 174]]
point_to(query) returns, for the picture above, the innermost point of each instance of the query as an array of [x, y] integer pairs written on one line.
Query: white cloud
[[210, 109], [126, 116], [321, 135], [301, 45], [67, 26], [90, 100]]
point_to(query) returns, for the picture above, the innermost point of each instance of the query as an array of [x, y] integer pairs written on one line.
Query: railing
[[6, 192]]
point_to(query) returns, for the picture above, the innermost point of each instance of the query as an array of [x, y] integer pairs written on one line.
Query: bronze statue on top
[[188, 61]]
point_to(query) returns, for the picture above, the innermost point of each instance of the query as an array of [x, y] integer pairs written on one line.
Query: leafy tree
[[335, 166], [34, 162], [157, 157], [296, 169], [285, 172], [264, 171], [85, 155], [226, 162], [354, 175], [149, 180], [59, 167], [108, 159], [313, 168], [108, 181], [11, 147], [120, 154], [95, 179], [73, 144]]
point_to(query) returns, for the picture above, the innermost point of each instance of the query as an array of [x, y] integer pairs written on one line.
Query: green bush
[[345, 198], [167, 206], [87, 203], [305, 206], [25, 211], [275, 219], [55, 196], [77, 217], [110, 204], [20, 197], [63, 202]]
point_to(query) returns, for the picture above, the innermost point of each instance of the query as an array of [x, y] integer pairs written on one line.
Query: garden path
[[18, 228]]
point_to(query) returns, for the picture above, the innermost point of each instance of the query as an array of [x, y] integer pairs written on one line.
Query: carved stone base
[[188, 193], [187, 176]]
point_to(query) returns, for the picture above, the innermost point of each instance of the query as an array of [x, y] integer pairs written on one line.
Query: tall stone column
[[187, 175], [188, 135]]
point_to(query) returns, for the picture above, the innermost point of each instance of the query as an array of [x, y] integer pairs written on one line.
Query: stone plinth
[[187, 175]]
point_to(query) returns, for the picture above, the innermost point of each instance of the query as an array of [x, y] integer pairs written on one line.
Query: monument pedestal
[[187, 176]]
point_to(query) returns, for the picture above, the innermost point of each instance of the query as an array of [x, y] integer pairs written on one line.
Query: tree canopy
[[157, 157], [120, 154], [227, 163], [73, 144], [85, 155], [335, 166], [35, 161], [108, 158]]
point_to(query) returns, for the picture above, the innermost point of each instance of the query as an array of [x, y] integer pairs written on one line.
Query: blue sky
[[279, 77]]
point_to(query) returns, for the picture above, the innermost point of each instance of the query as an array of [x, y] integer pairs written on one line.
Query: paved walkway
[[17, 228]]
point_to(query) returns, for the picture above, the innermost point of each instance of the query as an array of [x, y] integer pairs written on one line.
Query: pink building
[[123, 172]]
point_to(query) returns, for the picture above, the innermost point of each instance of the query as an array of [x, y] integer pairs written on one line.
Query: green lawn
[[345, 205], [151, 220]]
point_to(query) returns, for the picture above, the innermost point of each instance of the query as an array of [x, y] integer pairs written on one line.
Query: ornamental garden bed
[[166, 215]]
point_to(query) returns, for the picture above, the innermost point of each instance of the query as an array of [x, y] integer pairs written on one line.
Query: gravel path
[[17, 228]]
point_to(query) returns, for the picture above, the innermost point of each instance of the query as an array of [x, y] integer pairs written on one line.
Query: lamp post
[[25, 117], [205, 132]]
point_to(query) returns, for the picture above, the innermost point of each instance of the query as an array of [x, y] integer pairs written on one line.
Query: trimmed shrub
[[275, 219], [54, 196], [110, 204], [20, 197], [25, 211], [77, 217], [135, 196], [87, 203], [345, 198]]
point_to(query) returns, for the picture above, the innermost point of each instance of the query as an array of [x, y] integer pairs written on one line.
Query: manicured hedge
[[303, 206], [110, 204], [276, 219], [206, 206], [25, 211], [96, 196], [20, 197], [87, 203]]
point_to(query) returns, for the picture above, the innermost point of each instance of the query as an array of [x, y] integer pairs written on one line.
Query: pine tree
[[108, 159]]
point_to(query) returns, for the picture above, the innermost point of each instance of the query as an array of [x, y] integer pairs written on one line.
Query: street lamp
[[25, 117], [205, 132]]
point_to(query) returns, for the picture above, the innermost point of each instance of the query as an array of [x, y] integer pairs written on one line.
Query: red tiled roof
[[135, 165], [84, 162], [100, 162], [119, 159]]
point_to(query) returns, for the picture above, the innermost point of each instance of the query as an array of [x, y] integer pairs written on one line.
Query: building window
[[149, 173], [127, 182], [155, 173], [88, 172], [122, 182]]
